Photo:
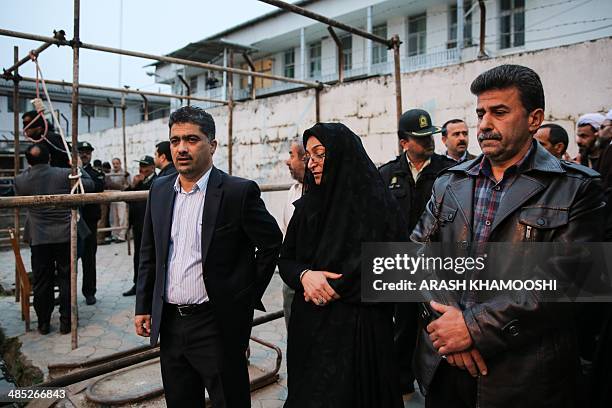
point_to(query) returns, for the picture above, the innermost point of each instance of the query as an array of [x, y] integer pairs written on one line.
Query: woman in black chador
[[340, 350]]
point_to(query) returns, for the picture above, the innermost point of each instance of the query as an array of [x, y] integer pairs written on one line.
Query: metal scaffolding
[[75, 43]]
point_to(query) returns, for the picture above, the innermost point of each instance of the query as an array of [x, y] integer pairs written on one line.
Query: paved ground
[[106, 327]]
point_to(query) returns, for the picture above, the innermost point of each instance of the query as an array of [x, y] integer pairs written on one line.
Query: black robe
[[340, 354]]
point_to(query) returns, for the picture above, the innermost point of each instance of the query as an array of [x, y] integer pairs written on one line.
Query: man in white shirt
[[296, 166], [455, 136], [209, 249]]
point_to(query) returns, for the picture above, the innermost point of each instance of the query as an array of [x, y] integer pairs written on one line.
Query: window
[[212, 81], [347, 52], [512, 23], [379, 51], [24, 105], [467, 26], [314, 59], [102, 111], [265, 67], [193, 85], [289, 63], [87, 108], [417, 34]]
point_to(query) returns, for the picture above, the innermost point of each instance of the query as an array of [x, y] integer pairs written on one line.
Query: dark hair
[[39, 122], [195, 115], [164, 148], [106, 165], [97, 163], [557, 134], [524, 79], [448, 122], [35, 157]]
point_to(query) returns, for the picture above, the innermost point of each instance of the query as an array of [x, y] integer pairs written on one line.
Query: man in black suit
[[140, 182], [48, 232], [455, 136], [163, 159], [91, 214], [208, 252]]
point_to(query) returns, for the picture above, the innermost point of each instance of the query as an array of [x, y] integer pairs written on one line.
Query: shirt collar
[[427, 162], [200, 185], [460, 160], [484, 168]]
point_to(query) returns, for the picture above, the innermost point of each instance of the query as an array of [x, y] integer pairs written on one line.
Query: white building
[[287, 44], [98, 110]]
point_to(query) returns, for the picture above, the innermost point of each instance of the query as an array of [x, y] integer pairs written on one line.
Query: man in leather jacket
[[497, 352]]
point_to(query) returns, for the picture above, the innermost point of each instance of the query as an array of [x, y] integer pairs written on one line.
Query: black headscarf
[[351, 206]]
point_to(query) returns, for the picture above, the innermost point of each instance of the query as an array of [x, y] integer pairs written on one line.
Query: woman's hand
[[316, 288]]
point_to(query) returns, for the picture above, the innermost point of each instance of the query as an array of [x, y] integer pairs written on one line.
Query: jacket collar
[[433, 166], [540, 160], [40, 167]]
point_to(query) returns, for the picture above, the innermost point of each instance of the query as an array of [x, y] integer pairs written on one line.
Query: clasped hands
[[316, 287], [451, 338]]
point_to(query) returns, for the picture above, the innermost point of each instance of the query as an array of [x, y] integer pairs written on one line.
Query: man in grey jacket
[[48, 232]]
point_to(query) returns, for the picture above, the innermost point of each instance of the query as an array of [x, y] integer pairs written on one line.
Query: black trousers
[[451, 387], [405, 328], [194, 358], [88, 259], [47, 259], [137, 233]]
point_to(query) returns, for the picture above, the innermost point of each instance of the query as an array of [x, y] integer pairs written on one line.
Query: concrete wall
[[263, 128]]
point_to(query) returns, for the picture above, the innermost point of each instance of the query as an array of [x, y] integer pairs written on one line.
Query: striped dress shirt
[[185, 279]]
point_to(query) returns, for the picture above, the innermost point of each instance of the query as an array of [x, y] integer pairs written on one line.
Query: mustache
[[489, 136], [183, 156], [461, 144]]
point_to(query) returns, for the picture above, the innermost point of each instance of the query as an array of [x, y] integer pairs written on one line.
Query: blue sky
[[152, 26]]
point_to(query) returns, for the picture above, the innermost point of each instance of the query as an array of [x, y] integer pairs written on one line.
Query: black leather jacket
[[529, 346]]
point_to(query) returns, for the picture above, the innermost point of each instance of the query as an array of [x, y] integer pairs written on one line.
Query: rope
[[40, 108]]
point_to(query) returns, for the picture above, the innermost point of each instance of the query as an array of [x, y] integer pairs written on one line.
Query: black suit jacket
[[240, 246]]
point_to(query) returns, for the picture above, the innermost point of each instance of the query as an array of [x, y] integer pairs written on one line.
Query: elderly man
[[501, 353], [587, 132], [455, 136], [118, 179], [295, 164], [48, 232], [553, 138], [209, 249]]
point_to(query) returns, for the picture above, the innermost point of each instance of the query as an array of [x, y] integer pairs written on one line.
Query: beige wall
[[576, 80]]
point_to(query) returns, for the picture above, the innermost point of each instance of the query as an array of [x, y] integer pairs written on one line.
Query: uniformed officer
[[91, 214], [141, 181], [410, 177]]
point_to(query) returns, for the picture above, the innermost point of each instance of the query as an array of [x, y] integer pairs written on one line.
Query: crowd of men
[[510, 101]]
